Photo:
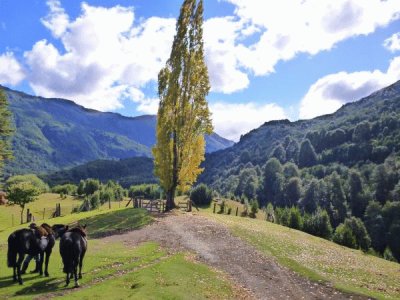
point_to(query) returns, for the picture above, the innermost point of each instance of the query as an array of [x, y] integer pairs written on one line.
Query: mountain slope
[[127, 172], [381, 109], [52, 134]]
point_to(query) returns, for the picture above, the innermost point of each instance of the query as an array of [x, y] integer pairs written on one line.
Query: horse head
[[59, 230]]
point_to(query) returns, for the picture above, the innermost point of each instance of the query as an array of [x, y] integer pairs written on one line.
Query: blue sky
[[267, 59]]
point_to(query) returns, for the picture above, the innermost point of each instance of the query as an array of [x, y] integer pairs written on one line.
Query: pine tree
[[6, 131], [183, 114]]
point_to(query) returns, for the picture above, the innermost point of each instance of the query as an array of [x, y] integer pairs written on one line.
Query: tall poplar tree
[[183, 115], [5, 131]]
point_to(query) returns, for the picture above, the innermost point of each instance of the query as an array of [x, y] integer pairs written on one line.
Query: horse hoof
[[80, 276], [47, 274], [21, 283], [76, 285]]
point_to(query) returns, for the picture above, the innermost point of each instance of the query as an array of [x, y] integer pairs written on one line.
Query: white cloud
[[332, 91], [292, 27], [221, 55], [232, 120], [57, 20], [11, 71], [393, 43], [105, 56]]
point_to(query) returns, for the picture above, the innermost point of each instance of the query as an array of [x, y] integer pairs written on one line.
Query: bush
[[201, 195], [270, 213], [295, 219], [253, 209], [318, 224], [94, 200], [148, 191], [388, 255], [283, 216], [344, 236], [65, 189]]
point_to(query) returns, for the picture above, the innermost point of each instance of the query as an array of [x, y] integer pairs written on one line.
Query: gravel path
[[213, 244]]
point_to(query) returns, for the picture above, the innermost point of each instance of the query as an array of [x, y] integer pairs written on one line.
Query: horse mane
[[47, 227], [41, 231], [78, 229]]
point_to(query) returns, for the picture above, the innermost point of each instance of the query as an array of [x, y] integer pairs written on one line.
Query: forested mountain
[[127, 172], [346, 164], [52, 134]]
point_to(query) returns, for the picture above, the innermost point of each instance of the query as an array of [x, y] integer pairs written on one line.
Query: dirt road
[[213, 244]]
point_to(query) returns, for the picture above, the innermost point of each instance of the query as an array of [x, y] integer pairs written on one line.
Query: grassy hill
[[52, 134], [320, 260]]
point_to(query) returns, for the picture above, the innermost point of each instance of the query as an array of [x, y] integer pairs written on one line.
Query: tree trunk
[[170, 200]]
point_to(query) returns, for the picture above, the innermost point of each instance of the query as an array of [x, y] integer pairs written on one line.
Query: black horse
[[73, 246], [35, 241]]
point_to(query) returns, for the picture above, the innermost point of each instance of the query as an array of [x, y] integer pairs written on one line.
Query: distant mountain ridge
[[53, 134]]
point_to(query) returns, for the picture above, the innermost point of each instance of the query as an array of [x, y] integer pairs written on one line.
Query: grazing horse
[[35, 241], [73, 246]]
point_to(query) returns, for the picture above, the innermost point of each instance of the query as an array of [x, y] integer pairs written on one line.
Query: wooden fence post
[[215, 204], [27, 215], [237, 210]]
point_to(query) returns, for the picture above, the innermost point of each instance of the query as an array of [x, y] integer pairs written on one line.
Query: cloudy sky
[[267, 60]]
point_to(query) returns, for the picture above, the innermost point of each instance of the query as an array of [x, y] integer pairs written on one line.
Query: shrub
[[318, 224], [94, 200], [344, 236], [253, 209], [65, 189], [295, 219], [201, 195], [270, 213]]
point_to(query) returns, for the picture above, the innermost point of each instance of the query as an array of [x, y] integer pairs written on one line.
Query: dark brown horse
[[34, 241], [73, 246]]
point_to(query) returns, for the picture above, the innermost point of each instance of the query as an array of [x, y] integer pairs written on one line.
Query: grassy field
[[44, 206], [115, 271], [318, 259]]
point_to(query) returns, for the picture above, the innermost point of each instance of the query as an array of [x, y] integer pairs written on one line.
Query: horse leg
[[15, 273], [67, 280], [41, 259], [80, 264], [46, 266], [21, 257], [76, 273]]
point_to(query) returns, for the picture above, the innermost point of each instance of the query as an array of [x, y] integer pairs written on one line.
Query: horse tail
[[12, 252]]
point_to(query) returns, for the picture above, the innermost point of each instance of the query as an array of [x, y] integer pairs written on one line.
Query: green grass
[[172, 278], [116, 222], [46, 204], [318, 259], [116, 271]]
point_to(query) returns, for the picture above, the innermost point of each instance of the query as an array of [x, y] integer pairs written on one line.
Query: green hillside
[[345, 165], [52, 134]]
